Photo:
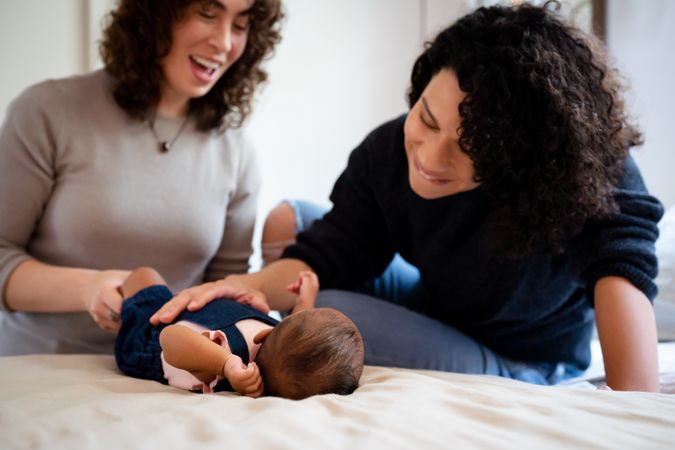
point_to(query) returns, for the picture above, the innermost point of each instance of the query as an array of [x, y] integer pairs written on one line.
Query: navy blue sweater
[[539, 309]]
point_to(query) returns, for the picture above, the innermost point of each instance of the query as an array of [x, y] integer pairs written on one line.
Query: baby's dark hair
[[317, 351], [543, 121]]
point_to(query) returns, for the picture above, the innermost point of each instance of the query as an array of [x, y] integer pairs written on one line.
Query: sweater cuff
[[9, 264], [637, 277]]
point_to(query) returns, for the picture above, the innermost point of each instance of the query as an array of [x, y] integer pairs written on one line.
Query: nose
[[221, 38], [433, 155]]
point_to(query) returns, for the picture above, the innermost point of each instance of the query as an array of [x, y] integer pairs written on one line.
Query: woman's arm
[[37, 287], [28, 172], [269, 286], [273, 282], [627, 331]]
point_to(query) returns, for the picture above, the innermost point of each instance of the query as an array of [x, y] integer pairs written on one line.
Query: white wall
[[340, 70], [39, 39], [641, 35]]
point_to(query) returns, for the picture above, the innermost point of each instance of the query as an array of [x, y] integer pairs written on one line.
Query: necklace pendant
[[165, 146]]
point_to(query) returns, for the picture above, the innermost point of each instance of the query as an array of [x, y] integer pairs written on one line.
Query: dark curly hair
[[138, 35], [543, 121]]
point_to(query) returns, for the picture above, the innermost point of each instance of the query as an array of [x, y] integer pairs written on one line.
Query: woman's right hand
[[103, 298], [196, 297]]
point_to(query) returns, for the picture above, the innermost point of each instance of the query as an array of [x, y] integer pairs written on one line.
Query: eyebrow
[[223, 7], [218, 4], [426, 108]]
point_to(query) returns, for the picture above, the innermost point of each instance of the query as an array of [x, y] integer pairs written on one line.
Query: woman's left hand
[[196, 297]]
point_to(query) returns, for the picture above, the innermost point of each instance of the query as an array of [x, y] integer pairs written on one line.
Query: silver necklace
[[162, 145]]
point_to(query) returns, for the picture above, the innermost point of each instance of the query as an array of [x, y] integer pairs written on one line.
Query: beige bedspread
[[79, 402]]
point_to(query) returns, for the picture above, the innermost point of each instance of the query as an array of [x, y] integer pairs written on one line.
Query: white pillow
[[664, 304]]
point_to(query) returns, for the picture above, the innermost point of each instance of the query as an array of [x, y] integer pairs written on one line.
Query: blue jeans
[[397, 335]]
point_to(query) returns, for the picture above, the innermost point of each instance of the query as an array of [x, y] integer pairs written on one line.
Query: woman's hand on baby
[[245, 379], [196, 297], [103, 298]]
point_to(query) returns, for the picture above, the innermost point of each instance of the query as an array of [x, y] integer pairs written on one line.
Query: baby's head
[[315, 351]]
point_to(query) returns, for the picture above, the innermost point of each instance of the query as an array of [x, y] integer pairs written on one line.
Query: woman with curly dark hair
[[509, 188], [135, 164]]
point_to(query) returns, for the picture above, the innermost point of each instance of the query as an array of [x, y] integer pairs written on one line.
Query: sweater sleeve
[[236, 245], [351, 243], [27, 174], [623, 244]]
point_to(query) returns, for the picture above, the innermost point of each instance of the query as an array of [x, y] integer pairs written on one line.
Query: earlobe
[[262, 335]]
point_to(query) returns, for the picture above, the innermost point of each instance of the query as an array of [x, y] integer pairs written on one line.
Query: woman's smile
[[437, 179], [206, 71]]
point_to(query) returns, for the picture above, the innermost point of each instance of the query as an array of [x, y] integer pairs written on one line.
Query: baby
[[228, 345]]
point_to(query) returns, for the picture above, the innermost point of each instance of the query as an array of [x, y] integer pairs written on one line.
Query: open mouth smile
[[204, 69]]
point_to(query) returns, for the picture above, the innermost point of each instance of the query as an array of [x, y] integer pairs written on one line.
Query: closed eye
[[242, 23], [429, 121]]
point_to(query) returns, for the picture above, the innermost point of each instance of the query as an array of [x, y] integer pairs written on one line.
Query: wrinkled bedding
[[82, 401]]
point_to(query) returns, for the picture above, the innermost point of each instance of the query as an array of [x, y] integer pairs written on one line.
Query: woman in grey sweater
[[136, 164]]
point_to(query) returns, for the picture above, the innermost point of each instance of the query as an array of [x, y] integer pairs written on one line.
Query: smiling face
[[437, 166], [204, 45]]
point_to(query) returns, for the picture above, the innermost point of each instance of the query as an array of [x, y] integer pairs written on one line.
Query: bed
[[84, 402]]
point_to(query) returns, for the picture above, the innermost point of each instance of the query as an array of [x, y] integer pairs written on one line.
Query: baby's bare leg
[[140, 279]]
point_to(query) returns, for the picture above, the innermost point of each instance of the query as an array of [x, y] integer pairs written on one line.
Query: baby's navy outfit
[[137, 349]]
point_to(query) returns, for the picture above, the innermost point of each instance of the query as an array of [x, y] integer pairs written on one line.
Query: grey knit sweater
[[84, 185]]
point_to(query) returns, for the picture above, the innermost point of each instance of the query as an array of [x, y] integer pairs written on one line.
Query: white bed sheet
[[83, 402]]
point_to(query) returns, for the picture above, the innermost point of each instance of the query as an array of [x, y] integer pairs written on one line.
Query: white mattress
[[83, 402]]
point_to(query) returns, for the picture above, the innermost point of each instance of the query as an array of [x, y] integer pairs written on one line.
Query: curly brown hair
[[543, 121], [138, 35]]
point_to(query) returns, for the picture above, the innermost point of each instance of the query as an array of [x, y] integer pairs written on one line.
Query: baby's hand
[[307, 288], [246, 380]]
